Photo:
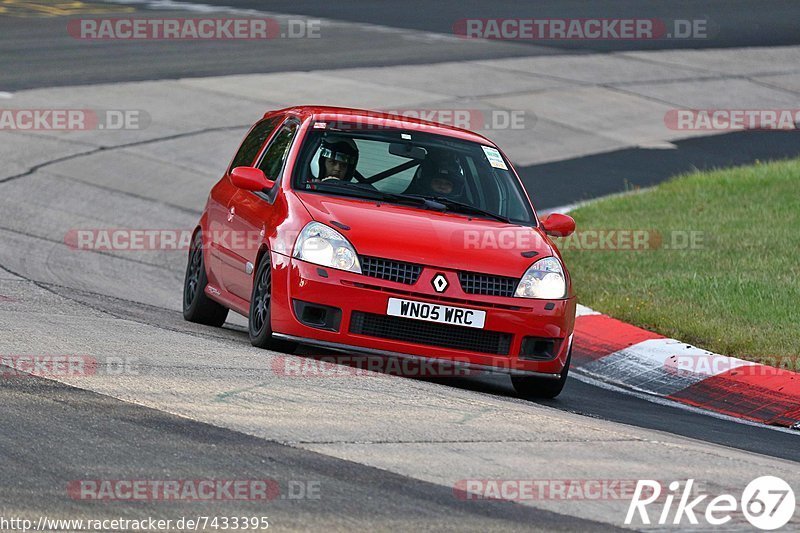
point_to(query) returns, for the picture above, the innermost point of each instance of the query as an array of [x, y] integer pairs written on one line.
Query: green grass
[[738, 294]]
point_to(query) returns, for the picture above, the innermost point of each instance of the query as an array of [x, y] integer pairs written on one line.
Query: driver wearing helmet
[[442, 178], [337, 159]]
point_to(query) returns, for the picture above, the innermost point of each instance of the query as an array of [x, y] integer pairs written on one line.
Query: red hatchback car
[[377, 234]]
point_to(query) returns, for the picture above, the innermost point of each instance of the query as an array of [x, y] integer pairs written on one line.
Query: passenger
[[442, 178]]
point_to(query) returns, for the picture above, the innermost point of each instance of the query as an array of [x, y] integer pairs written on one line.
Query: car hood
[[446, 240]]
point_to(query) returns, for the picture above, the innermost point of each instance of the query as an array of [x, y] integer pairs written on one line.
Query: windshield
[[399, 166]]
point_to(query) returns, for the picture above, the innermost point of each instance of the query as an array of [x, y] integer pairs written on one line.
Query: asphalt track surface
[[53, 433], [731, 23], [631, 168], [37, 52], [126, 436]]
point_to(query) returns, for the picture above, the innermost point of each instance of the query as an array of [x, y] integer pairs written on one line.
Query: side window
[[275, 155], [253, 142]]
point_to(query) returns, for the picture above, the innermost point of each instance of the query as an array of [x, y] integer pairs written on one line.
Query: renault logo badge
[[439, 282]]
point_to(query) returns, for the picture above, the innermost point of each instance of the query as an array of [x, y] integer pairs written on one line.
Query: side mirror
[[250, 179], [559, 225]]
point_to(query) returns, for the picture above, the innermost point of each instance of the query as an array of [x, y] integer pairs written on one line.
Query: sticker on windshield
[[494, 157]]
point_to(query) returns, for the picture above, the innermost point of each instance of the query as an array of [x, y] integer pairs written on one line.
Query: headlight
[[544, 279], [323, 245]]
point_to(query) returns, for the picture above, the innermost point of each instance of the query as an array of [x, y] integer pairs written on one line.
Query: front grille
[[487, 284], [432, 334], [390, 270]]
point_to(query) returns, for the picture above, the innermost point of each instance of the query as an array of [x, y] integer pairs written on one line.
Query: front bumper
[[358, 296]]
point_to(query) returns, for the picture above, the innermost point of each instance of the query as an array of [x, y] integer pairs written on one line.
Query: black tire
[[197, 307], [533, 387], [259, 318]]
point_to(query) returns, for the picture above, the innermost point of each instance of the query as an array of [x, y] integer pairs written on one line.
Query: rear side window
[[253, 142], [275, 155]]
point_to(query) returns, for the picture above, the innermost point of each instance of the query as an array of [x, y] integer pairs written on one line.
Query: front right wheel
[[535, 387], [259, 319]]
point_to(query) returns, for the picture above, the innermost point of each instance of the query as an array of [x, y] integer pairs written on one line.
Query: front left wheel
[[259, 319], [197, 306]]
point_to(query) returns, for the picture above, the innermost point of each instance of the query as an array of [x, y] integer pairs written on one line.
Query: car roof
[[367, 117]]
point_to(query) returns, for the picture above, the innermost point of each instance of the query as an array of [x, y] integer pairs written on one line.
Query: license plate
[[444, 314]]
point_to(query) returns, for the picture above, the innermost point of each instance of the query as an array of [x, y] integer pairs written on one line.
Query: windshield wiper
[[434, 203], [454, 205], [373, 193]]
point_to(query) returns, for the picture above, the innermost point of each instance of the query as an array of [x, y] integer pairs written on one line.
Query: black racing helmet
[[339, 149], [444, 167]]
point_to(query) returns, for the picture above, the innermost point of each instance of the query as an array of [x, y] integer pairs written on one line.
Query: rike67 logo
[[767, 502]]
